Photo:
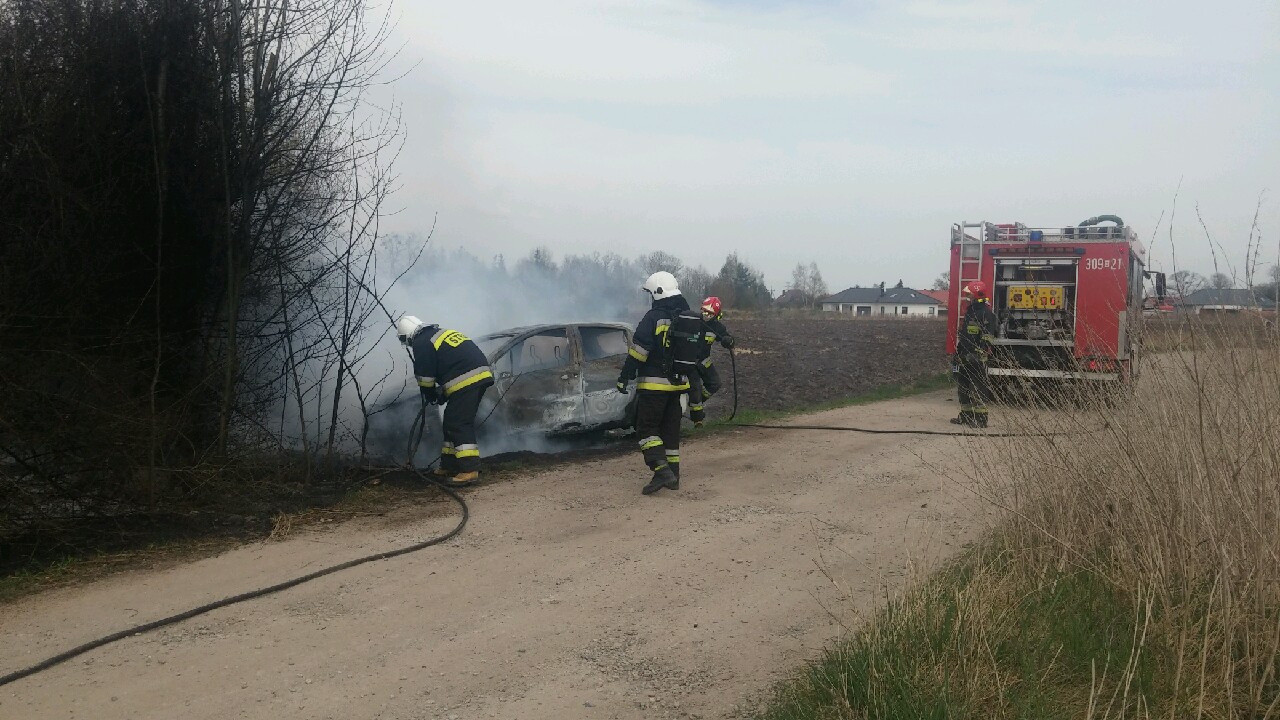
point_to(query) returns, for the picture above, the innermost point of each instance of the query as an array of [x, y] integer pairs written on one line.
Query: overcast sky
[[852, 134]]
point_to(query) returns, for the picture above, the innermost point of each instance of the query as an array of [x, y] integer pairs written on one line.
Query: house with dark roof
[[1225, 300], [889, 302], [791, 299]]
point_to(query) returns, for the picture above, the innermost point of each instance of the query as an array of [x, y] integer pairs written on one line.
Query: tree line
[[189, 202]]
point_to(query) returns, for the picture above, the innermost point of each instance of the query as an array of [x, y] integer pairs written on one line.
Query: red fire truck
[[1067, 298]]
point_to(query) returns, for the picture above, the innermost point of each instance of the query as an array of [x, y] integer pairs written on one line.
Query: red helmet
[[976, 290], [711, 306]]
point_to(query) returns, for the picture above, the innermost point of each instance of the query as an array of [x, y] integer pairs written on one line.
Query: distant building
[[1212, 300], [890, 302], [941, 297], [791, 299]]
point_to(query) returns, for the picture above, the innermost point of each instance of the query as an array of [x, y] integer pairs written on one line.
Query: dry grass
[[1172, 499], [1136, 573]]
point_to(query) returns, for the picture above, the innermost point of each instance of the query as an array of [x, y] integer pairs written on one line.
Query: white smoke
[[478, 296]]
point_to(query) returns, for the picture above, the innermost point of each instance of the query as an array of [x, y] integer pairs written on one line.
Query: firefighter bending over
[[706, 382], [452, 371], [652, 363], [973, 347]]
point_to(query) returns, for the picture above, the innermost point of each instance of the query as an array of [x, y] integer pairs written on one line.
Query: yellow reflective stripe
[[652, 441], [452, 337], [664, 386], [695, 407], [466, 379], [466, 451], [426, 381], [638, 353], [673, 456], [447, 449], [706, 363]]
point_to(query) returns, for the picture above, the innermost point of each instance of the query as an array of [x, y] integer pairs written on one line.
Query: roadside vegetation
[[1135, 572]]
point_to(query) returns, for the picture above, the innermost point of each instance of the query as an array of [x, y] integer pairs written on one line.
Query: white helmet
[[661, 284], [406, 327]]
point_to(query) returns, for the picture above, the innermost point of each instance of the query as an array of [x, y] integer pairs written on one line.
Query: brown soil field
[[787, 362]]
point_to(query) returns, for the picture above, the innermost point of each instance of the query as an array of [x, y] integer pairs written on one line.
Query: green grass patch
[[983, 639], [881, 393]]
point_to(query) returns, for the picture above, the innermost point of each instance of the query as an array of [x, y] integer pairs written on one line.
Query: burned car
[[550, 381], [555, 380]]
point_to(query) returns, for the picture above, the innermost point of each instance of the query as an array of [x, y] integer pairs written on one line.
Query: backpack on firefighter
[[682, 344]]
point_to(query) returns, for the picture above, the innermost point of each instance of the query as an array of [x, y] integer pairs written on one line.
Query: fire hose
[[415, 439], [416, 433], [733, 364]]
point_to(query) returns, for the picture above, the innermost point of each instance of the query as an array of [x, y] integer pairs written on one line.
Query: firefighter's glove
[[622, 386], [429, 395], [727, 341]]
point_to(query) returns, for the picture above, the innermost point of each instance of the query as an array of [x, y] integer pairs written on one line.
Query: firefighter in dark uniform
[[973, 347], [658, 388], [707, 382], [453, 371]]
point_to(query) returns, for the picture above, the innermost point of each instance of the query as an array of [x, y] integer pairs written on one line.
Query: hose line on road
[[242, 597], [872, 431], [415, 438]]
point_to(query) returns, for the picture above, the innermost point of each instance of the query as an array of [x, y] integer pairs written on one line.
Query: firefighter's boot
[[980, 419], [464, 479], [675, 470], [966, 417], [663, 477]]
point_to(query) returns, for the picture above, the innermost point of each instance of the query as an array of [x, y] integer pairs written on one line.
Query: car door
[[604, 350], [539, 383]]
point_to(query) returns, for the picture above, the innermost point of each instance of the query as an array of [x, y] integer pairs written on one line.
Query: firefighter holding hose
[[452, 371], [973, 348], [708, 378]]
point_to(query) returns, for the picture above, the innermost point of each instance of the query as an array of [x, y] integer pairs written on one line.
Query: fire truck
[[1067, 298]]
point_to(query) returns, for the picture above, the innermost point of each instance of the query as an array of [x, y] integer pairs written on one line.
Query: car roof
[[526, 329]]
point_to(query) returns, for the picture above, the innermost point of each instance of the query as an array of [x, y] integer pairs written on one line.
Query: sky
[[850, 134]]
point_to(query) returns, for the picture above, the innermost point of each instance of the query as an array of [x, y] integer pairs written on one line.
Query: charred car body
[[556, 379], [550, 381]]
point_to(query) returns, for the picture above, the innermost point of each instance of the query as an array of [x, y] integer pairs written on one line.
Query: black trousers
[[658, 427], [973, 386], [460, 452], [710, 378]]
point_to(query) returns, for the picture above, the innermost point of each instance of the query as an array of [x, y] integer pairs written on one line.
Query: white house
[[890, 302]]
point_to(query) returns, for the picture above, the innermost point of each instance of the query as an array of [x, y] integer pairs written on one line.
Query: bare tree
[[943, 281], [1220, 281], [817, 286], [1185, 282]]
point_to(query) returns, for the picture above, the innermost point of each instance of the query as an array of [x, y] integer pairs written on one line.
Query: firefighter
[[452, 371], [707, 381], [973, 347], [650, 362]]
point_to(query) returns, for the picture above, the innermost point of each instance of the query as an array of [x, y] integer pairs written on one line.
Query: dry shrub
[[1171, 497]]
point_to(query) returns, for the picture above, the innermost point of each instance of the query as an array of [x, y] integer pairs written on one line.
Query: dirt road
[[569, 595]]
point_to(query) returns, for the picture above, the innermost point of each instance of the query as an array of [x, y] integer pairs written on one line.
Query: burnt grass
[[784, 362]]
